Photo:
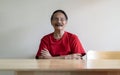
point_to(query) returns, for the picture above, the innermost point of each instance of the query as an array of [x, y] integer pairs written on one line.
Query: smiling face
[[59, 21]]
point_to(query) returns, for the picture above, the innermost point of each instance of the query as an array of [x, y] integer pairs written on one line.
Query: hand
[[45, 54], [68, 57], [73, 56], [76, 56]]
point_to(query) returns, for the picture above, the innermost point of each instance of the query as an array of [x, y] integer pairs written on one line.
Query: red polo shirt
[[68, 44]]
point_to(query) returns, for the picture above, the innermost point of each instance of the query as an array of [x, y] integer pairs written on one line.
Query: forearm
[[70, 56], [55, 57], [73, 56]]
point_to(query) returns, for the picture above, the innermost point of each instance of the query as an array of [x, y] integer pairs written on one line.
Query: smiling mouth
[[58, 25]]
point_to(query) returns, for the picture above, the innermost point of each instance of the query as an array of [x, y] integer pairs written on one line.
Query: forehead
[[59, 14]]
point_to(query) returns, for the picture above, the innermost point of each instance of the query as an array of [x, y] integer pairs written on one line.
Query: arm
[[71, 56], [46, 55], [76, 46]]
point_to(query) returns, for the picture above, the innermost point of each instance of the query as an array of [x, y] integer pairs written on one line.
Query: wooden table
[[60, 67]]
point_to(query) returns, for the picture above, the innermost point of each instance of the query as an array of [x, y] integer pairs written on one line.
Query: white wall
[[24, 22]]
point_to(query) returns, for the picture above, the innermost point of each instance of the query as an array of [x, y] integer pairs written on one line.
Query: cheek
[[52, 23], [64, 22]]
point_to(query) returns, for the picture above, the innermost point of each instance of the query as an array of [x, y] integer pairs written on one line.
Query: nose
[[59, 20]]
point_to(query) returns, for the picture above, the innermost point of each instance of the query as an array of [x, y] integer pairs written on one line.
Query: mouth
[[58, 25]]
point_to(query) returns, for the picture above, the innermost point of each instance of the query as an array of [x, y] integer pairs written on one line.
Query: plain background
[[24, 22]]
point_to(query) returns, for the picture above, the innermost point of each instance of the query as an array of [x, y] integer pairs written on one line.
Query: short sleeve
[[76, 45]]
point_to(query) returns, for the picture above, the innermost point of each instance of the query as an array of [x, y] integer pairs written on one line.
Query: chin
[[59, 28]]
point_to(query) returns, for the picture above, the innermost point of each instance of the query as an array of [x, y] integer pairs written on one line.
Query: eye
[[59, 19], [55, 19], [63, 19]]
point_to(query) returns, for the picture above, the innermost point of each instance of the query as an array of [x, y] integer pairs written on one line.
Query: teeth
[[59, 25]]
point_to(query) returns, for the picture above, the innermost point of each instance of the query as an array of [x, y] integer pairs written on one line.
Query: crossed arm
[[46, 55]]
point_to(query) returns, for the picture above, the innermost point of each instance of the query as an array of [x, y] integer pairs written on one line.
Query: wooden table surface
[[58, 65]]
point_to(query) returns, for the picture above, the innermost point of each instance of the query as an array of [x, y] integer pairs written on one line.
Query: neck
[[58, 34]]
